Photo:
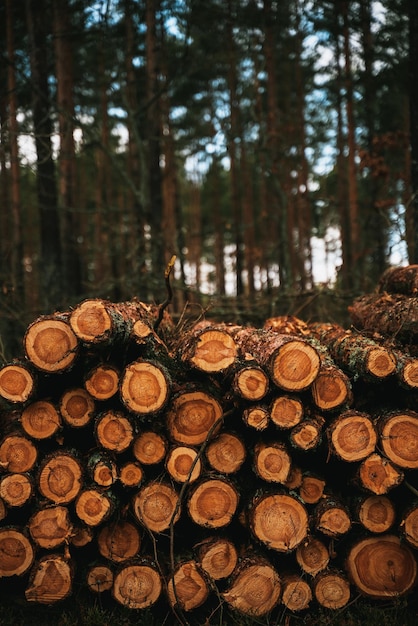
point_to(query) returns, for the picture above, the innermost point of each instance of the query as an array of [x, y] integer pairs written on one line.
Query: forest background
[[271, 146]]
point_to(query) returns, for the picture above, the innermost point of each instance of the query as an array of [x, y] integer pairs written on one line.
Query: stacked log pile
[[212, 465]]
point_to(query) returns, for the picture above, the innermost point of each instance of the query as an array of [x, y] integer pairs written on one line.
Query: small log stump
[[191, 416], [226, 453], [286, 411], [16, 489], [376, 513], [272, 462], [256, 417], [94, 506], [210, 349], [99, 578], [296, 594], [399, 438], [145, 387], [149, 447], [17, 454], [102, 381], [331, 517], [17, 382], [114, 431], [60, 477], [131, 474], [352, 436], [378, 475], [183, 465]]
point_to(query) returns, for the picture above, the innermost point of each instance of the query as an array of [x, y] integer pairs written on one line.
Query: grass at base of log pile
[[86, 609]]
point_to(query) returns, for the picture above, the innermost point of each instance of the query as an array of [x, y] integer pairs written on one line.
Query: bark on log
[[213, 503], [280, 521], [402, 280], [398, 432], [255, 589], [187, 587], [393, 316], [352, 436], [382, 567], [50, 580], [137, 586], [50, 527], [50, 344], [331, 589], [217, 556], [17, 382], [16, 552], [41, 420]]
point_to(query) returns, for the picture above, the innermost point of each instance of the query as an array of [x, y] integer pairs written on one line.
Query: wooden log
[[16, 552], [376, 513], [119, 541], [291, 362], [97, 321], [94, 506], [331, 589], [183, 465], [390, 315], [188, 587], [331, 389], [137, 585], [50, 580], [131, 474], [41, 420], [331, 517], [294, 480], [398, 432], [114, 431], [208, 348], [50, 344], [250, 381], [409, 525], [255, 588], [101, 468], [99, 578], [296, 594], [256, 417], [378, 475], [406, 370], [17, 381], [145, 387], [312, 488], [60, 477], [217, 556], [352, 436], [312, 555], [213, 502], [77, 407], [287, 325], [82, 535], [382, 567], [307, 435], [50, 527], [16, 489], [286, 411], [399, 279], [17, 453], [226, 453], [3, 510], [156, 506], [272, 461], [279, 520], [192, 416], [149, 447], [102, 381]]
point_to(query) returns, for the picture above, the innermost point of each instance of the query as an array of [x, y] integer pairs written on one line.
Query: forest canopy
[[266, 144]]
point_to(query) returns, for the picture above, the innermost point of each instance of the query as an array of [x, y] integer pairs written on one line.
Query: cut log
[[226, 453], [183, 465], [131, 474], [145, 387], [312, 555], [50, 527], [187, 587], [16, 489], [149, 447], [291, 362], [307, 435], [51, 580], [17, 454], [3, 510], [77, 407], [99, 578], [399, 438], [137, 586], [82, 536], [402, 280], [40, 419], [217, 556], [407, 370], [280, 521], [114, 431], [287, 325], [213, 503], [94, 506], [16, 552], [294, 480], [250, 381], [409, 525], [296, 594], [393, 316], [331, 389], [331, 517], [17, 382], [192, 416], [119, 541], [378, 475], [102, 381], [255, 588], [101, 468], [312, 488], [60, 477], [352, 436], [50, 344], [382, 567], [257, 417], [210, 349], [272, 462], [157, 506], [97, 321], [376, 513], [331, 589], [286, 411]]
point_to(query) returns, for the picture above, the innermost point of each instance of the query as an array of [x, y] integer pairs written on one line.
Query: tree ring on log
[[156, 506], [295, 366], [91, 322], [280, 521], [16, 383], [51, 345], [137, 586], [255, 590], [191, 416], [399, 439], [145, 387], [16, 552], [213, 503]]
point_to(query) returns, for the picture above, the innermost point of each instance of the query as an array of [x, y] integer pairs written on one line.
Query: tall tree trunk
[[413, 111], [51, 295], [66, 163], [219, 225]]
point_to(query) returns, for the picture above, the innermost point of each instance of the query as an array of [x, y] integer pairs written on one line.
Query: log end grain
[[331, 389], [312, 555], [296, 594], [226, 453], [102, 382], [331, 589], [17, 383], [114, 431], [213, 350], [280, 521], [188, 587], [376, 513], [183, 464], [352, 436], [16, 552], [60, 477], [218, 557], [156, 506], [99, 578], [378, 475], [18, 454], [399, 438], [255, 589], [145, 387], [40, 419], [50, 527], [91, 321], [192, 415], [295, 366], [272, 462], [213, 503], [149, 447], [286, 411], [119, 541], [50, 580], [137, 586], [50, 345]]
